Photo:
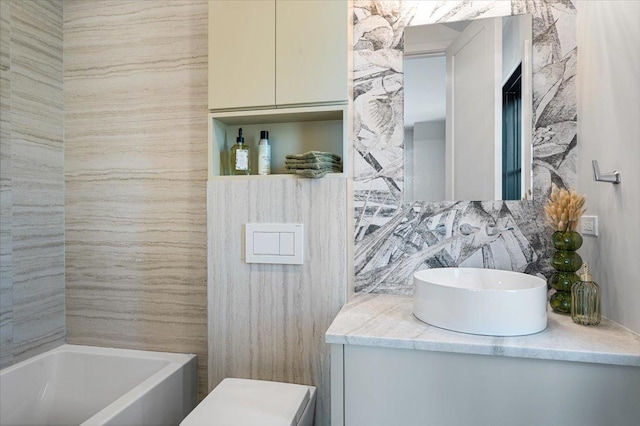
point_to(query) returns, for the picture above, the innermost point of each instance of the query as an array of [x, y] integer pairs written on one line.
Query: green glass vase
[[566, 262]]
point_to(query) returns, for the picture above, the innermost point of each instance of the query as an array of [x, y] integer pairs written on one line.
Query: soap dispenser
[[585, 300], [239, 157], [264, 154]]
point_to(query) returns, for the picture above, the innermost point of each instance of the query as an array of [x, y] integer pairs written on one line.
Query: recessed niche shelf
[[291, 131]]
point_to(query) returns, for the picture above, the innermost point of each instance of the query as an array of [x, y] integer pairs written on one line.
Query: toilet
[[244, 402]]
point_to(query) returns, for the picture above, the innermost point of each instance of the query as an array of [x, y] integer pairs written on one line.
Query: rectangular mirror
[[468, 110]]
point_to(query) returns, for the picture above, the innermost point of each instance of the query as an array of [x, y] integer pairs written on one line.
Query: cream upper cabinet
[[242, 53], [311, 51], [265, 53]]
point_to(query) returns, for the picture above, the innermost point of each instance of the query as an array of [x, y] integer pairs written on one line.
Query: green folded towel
[[311, 164], [315, 155], [310, 173]]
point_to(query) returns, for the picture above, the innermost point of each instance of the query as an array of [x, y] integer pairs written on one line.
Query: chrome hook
[[613, 177]]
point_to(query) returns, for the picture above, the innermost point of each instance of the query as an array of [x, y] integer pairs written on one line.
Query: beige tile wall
[[135, 92], [135, 171], [32, 317], [6, 217], [268, 321]]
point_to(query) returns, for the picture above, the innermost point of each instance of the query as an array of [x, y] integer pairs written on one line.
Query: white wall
[[514, 33], [425, 89], [428, 160], [408, 164], [609, 131]]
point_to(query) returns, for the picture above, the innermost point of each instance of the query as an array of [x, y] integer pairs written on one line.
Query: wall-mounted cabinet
[[273, 53], [291, 131]]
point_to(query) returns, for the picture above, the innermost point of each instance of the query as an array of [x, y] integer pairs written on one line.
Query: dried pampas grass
[[564, 209]]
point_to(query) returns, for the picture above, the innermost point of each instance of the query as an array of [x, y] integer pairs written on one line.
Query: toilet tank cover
[[240, 402]]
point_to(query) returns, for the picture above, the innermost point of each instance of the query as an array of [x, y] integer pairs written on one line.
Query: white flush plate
[[274, 243]]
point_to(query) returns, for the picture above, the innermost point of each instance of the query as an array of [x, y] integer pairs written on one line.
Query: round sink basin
[[481, 301]]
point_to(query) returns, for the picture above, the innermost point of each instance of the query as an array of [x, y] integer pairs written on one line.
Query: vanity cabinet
[[389, 368], [267, 53], [385, 386]]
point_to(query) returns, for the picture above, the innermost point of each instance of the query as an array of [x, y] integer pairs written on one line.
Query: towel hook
[[614, 177]]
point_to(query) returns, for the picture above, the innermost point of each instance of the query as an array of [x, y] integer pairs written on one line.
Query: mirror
[[468, 110]]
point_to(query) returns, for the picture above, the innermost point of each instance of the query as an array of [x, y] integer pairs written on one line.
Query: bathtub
[[85, 385]]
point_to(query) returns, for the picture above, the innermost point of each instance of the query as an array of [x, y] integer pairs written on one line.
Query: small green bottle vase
[[566, 262]]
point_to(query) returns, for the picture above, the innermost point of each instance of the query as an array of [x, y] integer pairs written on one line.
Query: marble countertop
[[387, 321]]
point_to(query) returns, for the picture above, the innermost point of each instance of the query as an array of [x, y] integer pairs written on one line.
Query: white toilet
[[243, 402]]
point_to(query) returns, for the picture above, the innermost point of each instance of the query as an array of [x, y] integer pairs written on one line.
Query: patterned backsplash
[[393, 238]]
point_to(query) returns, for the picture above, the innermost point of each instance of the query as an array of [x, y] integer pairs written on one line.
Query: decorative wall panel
[[135, 75], [32, 285], [393, 238], [268, 321]]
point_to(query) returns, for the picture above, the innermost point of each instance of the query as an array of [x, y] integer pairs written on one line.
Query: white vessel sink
[[481, 301]]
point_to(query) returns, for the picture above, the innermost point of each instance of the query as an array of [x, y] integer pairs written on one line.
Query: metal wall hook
[[613, 177]]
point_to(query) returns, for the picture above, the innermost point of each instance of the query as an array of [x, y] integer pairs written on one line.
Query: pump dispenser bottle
[[264, 154], [239, 157], [585, 300]]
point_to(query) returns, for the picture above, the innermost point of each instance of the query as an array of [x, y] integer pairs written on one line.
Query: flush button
[[287, 244], [274, 243], [266, 243]]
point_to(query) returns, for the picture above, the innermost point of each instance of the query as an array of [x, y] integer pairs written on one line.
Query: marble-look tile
[[394, 238], [36, 177], [268, 321], [388, 321], [135, 77], [6, 247]]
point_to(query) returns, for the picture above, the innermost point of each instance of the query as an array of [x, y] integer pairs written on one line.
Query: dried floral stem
[[564, 209]]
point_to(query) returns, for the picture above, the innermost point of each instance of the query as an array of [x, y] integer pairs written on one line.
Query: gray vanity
[[388, 368]]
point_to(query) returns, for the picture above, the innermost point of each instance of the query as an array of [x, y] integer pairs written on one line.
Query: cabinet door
[[311, 51], [241, 53]]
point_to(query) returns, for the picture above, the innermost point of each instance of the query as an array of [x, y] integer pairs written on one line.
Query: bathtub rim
[[175, 362]]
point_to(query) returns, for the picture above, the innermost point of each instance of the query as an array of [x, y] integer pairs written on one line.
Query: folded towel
[[311, 164], [330, 169], [315, 155], [310, 173]]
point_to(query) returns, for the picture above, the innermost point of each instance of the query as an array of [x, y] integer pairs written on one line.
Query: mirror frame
[[393, 238]]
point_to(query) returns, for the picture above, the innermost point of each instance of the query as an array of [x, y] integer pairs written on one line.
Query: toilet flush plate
[[274, 243]]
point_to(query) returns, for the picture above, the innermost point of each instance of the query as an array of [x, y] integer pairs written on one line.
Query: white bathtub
[[85, 385]]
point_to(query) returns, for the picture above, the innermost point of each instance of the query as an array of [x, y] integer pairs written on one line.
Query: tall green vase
[[566, 262]]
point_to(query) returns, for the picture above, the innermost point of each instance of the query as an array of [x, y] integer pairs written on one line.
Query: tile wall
[[32, 280], [135, 93], [268, 321]]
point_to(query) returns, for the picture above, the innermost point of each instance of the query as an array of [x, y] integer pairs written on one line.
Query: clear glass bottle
[[585, 300], [239, 157]]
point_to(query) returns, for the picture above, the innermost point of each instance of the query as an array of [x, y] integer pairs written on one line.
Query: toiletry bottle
[[585, 300], [264, 154], [239, 157]]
